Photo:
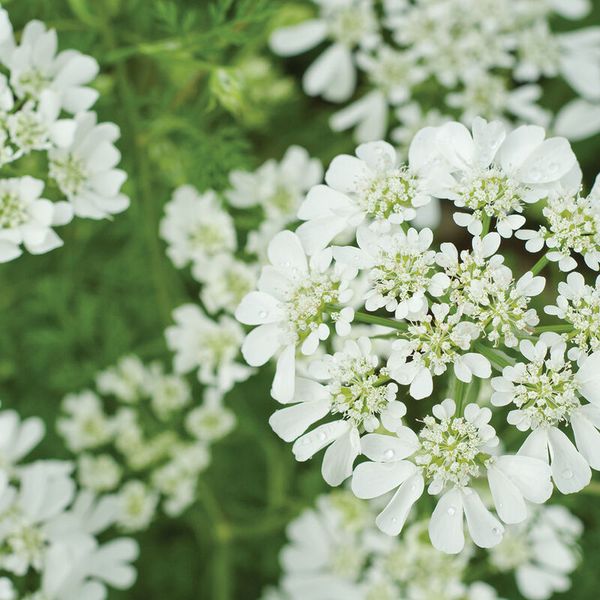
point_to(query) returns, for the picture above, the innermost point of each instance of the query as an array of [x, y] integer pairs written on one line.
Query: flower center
[[349, 25], [307, 302], [546, 396], [27, 130], [282, 203], [437, 343], [389, 194], [31, 83], [491, 193], [356, 391], [69, 173], [573, 224], [13, 211], [402, 271], [451, 450]]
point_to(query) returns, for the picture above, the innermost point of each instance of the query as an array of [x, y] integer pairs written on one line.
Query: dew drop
[[394, 520], [389, 454], [263, 314], [495, 531], [567, 474], [322, 436], [452, 511]]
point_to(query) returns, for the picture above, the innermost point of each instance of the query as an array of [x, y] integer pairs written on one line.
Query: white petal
[[290, 422], [394, 515], [310, 443], [446, 524], [372, 479], [340, 456], [570, 470], [296, 39]]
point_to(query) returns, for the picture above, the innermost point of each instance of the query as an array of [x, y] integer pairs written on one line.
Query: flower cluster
[[45, 102], [437, 323], [49, 546], [471, 57], [142, 437], [333, 551]]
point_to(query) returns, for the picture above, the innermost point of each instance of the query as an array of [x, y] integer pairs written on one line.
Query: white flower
[[572, 226], [400, 269], [196, 227], [38, 127], [277, 187], [493, 174], [484, 289], [45, 491], [579, 305], [290, 308], [85, 424], [542, 551], [212, 420], [17, 438], [212, 345], [546, 393], [35, 67], [449, 454], [225, 281], [431, 343], [393, 74], [99, 473], [137, 506], [372, 186], [127, 381], [85, 172], [168, 394], [355, 389], [325, 554], [27, 219], [348, 23]]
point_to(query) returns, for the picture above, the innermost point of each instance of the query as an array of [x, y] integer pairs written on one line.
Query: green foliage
[[110, 290]]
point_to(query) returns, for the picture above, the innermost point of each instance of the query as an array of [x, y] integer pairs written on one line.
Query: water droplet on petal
[[394, 520], [388, 454], [263, 314], [452, 511], [322, 436], [567, 474], [495, 531]]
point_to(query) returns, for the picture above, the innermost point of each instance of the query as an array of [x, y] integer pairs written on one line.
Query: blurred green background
[[111, 289]]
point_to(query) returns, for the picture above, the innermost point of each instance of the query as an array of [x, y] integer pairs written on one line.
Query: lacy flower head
[[465, 57], [395, 350], [49, 531], [142, 438], [45, 119]]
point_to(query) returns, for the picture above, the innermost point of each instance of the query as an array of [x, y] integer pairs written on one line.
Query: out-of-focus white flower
[[212, 420], [85, 169], [85, 425], [348, 24], [542, 551], [35, 66], [210, 345], [196, 227], [27, 219], [137, 506], [99, 473]]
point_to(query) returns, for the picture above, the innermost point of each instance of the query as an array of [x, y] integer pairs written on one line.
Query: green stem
[[563, 328], [486, 225], [539, 265], [498, 359], [384, 321], [458, 394]]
